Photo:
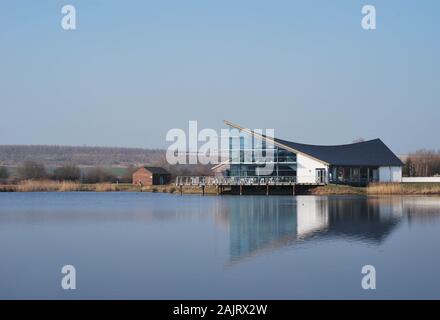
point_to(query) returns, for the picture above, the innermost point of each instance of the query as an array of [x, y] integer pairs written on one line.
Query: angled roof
[[156, 170], [366, 153]]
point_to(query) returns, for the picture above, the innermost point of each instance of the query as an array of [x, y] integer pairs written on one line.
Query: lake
[[165, 246]]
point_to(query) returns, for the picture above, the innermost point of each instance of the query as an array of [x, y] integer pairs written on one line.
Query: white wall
[[421, 179], [306, 169], [390, 174]]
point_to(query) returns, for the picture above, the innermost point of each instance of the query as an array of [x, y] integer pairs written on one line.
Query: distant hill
[[13, 155]]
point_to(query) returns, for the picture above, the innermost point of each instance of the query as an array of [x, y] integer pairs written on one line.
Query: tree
[[67, 172], [422, 163], [98, 174], [32, 170], [128, 175], [4, 174], [357, 140], [408, 168]]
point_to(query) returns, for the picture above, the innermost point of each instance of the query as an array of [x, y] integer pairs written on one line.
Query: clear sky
[[134, 69]]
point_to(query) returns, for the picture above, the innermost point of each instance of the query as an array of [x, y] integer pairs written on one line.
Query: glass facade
[[353, 175], [249, 157]]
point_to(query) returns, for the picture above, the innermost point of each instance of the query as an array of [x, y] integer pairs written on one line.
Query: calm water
[[154, 246]]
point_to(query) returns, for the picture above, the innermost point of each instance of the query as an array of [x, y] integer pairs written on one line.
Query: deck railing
[[234, 181]]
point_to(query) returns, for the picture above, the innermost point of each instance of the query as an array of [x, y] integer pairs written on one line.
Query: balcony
[[235, 181]]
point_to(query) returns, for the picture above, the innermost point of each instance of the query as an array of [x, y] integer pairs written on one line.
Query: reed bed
[[8, 188], [47, 185], [404, 188], [105, 187], [69, 186]]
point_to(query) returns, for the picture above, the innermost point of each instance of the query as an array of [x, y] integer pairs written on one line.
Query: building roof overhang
[[366, 153]]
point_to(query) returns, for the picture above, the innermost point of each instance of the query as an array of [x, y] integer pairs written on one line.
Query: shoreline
[[331, 189]]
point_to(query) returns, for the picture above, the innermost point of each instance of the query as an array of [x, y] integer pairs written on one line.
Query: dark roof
[[366, 153], [157, 170]]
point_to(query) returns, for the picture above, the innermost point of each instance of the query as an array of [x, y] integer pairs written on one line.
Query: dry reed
[[47, 185], [105, 187], [404, 188]]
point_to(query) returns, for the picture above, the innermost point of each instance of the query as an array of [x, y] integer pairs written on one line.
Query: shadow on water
[[260, 224]]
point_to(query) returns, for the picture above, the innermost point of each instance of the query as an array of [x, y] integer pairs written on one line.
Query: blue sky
[[134, 69]]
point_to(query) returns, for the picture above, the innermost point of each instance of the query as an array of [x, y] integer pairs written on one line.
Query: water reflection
[[156, 246], [257, 224], [254, 224]]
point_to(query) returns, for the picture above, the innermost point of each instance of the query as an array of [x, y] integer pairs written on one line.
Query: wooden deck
[[239, 181], [234, 181], [243, 185]]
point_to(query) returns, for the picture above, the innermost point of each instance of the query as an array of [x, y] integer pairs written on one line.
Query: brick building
[[148, 176]]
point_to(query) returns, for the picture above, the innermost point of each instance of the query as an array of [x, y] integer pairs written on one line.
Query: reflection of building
[[356, 163], [312, 215], [366, 219], [258, 224]]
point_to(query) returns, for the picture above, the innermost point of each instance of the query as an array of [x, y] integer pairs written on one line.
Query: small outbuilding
[[148, 176]]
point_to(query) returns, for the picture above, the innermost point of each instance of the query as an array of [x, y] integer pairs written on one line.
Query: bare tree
[[4, 174], [67, 172], [422, 163], [98, 174], [32, 170], [127, 177]]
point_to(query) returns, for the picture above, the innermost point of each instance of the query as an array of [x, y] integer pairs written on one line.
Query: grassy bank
[[331, 189], [379, 189], [334, 189], [65, 186], [171, 188], [70, 186]]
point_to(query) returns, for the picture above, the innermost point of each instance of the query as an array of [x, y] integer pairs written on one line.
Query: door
[[320, 176]]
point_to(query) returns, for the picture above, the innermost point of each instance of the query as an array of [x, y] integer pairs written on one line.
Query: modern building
[[147, 176], [354, 164]]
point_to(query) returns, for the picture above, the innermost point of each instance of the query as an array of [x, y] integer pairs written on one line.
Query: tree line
[[52, 156], [31, 170], [422, 163]]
